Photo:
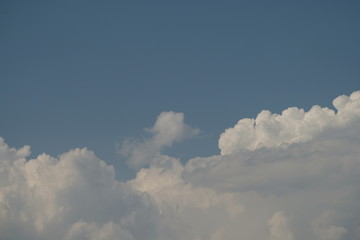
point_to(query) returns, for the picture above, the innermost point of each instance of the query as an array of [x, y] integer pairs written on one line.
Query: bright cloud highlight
[[294, 125]]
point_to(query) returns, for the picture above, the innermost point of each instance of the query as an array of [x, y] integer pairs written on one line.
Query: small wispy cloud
[[168, 129]]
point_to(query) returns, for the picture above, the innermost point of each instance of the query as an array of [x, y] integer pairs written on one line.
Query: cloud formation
[[279, 227], [168, 128], [286, 176], [74, 196], [294, 125]]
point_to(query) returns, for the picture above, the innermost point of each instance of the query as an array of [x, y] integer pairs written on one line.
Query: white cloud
[[168, 128], [203, 210], [294, 125], [71, 197], [280, 177], [304, 177]]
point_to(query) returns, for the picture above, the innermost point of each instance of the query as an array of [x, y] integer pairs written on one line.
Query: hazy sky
[[156, 89]]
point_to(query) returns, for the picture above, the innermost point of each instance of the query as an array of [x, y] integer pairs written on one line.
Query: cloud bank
[[287, 176]]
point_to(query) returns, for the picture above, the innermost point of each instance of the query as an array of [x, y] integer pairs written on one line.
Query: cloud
[[300, 176], [203, 211], [279, 229], [279, 177], [168, 128], [71, 197], [294, 125], [109, 231], [325, 227]]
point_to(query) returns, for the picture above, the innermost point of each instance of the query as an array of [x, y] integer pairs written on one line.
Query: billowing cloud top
[[294, 125], [290, 176]]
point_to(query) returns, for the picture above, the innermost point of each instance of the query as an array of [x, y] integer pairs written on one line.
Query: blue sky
[[91, 74]]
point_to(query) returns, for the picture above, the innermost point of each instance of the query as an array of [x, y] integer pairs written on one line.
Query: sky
[[179, 120]]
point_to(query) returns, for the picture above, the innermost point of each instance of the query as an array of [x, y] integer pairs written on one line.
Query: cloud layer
[[286, 176]]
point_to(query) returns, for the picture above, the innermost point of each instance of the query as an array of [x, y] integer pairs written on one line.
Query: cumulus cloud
[[168, 128], [71, 197], [294, 125], [288, 164], [286, 176], [204, 211]]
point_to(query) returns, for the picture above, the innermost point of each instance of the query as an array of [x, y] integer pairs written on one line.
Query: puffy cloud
[[75, 196], [168, 128], [203, 210], [294, 125], [279, 177], [304, 176]]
